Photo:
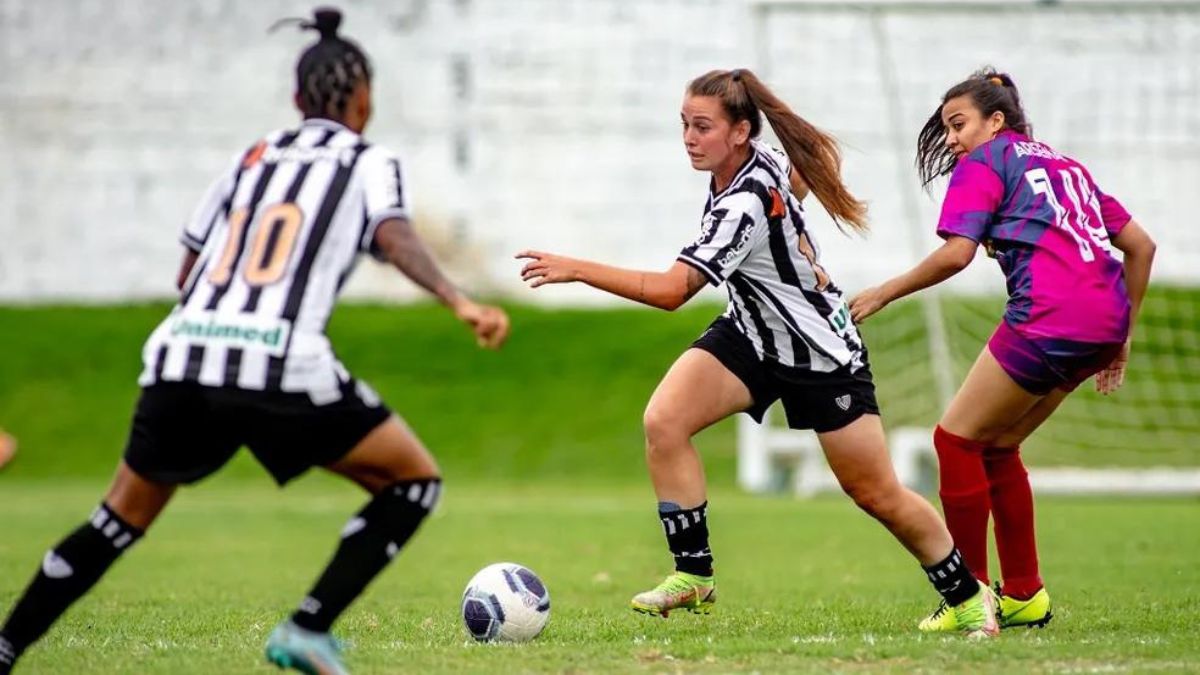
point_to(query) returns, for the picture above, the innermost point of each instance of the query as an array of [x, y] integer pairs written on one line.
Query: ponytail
[[813, 153]]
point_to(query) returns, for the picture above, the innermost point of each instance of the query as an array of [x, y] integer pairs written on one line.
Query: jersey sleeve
[[1112, 212], [212, 206], [974, 195], [728, 233], [384, 194]]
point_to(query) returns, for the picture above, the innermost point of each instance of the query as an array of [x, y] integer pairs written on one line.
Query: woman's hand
[[548, 268], [1112, 377], [867, 303], [490, 324]]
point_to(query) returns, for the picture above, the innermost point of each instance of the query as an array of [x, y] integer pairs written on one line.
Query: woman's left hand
[[1112, 377], [867, 303], [548, 268]]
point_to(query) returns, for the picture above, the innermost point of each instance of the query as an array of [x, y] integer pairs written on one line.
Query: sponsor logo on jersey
[[270, 335], [254, 155], [306, 155]]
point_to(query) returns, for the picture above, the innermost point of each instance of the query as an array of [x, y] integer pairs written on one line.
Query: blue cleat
[[291, 646]]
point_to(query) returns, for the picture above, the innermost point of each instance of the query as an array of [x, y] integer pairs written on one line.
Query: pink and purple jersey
[[1041, 216]]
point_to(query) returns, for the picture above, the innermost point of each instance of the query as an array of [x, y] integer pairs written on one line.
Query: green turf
[[564, 399], [805, 586]]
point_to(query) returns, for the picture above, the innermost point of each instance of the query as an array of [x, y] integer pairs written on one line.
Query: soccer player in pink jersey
[[1070, 307]]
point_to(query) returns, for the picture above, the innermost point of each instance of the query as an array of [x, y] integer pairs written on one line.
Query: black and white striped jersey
[[277, 236], [754, 240]]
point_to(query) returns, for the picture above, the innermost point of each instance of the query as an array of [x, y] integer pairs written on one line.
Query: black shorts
[[811, 400], [183, 432]]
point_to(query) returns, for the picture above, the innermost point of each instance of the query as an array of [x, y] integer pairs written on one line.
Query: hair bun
[[326, 20]]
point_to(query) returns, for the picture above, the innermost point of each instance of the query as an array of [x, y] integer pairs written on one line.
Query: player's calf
[[369, 541], [68, 571]]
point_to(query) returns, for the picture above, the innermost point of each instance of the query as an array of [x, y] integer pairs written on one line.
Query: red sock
[[1012, 511], [964, 493]]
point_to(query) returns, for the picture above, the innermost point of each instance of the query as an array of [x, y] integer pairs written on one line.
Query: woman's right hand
[[490, 324]]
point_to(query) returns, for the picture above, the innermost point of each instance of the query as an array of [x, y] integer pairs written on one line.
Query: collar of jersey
[[325, 122]]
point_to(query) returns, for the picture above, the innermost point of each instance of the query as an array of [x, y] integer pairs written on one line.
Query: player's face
[[966, 127], [710, 138]]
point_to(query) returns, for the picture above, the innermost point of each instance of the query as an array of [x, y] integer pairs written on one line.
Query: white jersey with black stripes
[[754, 240], [276, 237]]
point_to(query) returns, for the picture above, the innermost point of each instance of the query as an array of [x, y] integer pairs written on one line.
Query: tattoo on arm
[[695, 281], [405, 250]]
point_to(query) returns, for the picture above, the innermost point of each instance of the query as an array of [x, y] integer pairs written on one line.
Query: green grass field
[[542, 451], [806, 586]]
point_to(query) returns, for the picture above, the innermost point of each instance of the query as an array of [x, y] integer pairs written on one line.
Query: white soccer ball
[[505, 602]]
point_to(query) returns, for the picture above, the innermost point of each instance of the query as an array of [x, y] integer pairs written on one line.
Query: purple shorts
[[1041, 365]]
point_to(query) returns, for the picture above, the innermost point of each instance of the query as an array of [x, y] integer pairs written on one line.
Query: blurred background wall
[[554, 124]]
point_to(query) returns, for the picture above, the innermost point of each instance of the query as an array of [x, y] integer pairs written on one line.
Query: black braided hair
[[330, 69]]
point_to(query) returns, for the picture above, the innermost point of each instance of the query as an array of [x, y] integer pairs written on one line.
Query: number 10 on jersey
[[274, 240]]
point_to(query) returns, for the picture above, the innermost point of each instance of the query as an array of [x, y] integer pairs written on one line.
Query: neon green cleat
[[679, 590], [291, 646], [976, 617], [943, 620], [1031, 613]]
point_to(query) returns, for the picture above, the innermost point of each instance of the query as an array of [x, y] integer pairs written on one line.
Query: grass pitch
[[541, 446], [810, 586]]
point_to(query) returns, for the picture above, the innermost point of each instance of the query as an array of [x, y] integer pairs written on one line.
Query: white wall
[[544, 124]]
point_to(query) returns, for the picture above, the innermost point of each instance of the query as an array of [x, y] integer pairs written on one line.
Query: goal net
[[1115, 85]]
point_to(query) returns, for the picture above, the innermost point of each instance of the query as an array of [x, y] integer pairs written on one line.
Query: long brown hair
[[813, 153], [990, 91]]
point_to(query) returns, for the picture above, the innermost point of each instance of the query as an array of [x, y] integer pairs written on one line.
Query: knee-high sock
[[687, 537], [1012, 514], [369, 541], [68, 571], [964, 493]]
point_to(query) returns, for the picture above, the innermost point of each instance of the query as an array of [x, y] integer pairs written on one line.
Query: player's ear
[[741, 132], [360, 101], [996, 122], [299, 102]]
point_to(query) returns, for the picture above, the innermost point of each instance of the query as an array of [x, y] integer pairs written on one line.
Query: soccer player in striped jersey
[[243, 358], [786, 335], [1070, 307]]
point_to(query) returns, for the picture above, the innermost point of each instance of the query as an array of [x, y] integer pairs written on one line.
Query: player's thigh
[[137, 499], [1015, 434], [858, 455], [988, 402], [391, 452], [697, 391]]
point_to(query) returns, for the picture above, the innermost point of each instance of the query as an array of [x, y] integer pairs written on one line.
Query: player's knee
[[664, 431], [880, 500], [1006, 442]]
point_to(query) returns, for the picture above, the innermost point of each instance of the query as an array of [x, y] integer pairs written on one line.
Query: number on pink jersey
[[1083, 199]]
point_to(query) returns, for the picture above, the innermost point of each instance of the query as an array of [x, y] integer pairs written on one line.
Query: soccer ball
[[505, 602]]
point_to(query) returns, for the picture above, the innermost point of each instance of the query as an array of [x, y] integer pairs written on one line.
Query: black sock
[[68, 571], [687, 537], [369, 541], [953, 579]]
